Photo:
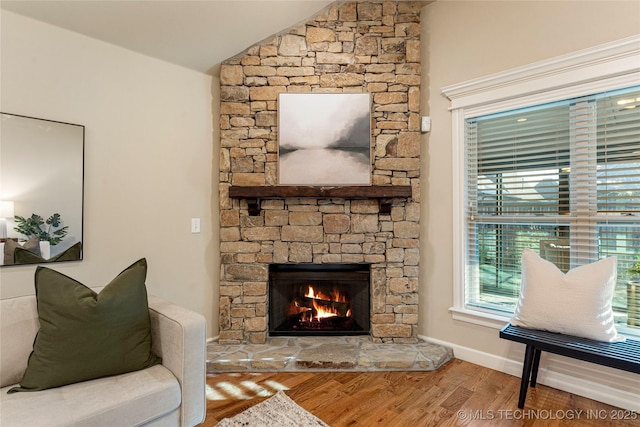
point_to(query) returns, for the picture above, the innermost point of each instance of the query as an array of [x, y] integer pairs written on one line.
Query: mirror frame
[[48, 131]]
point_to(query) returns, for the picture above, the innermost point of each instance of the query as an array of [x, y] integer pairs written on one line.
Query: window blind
[[618, 179], [561, 178]]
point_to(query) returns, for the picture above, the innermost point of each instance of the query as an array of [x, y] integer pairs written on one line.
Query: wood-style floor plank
[[457, 394]]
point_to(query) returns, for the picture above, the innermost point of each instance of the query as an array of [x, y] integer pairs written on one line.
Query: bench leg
[[526, 374], [534, 368]]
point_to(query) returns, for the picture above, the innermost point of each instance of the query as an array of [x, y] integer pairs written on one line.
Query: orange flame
[[323, 312], [334, 296]]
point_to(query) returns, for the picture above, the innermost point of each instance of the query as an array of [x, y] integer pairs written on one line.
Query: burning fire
[[322, 313], [335, 295], [322, 307]]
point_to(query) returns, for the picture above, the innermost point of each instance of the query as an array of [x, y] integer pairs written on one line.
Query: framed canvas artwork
[[324, 139]]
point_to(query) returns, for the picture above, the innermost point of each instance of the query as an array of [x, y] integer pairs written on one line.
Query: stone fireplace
[[319, 299], [348, 47]]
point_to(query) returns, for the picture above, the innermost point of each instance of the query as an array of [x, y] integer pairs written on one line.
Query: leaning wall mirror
[[41, 190]]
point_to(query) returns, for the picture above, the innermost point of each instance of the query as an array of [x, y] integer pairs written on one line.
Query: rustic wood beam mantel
[[341, 192]]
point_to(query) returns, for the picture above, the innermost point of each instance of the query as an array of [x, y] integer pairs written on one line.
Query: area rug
[[279, 410]]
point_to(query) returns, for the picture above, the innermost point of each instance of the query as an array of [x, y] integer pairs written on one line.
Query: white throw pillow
[[576, 303]]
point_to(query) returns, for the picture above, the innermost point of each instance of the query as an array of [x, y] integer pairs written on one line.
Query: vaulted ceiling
[[196, 34]]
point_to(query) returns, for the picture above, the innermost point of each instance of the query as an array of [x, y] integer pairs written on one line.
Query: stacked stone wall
[[350, 47]]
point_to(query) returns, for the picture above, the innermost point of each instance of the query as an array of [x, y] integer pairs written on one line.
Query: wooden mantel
[[341, 192]]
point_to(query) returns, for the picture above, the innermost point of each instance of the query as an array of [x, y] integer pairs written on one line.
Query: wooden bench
[[621, 355]]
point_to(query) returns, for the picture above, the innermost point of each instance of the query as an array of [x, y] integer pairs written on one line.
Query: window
[[562, 179], [555, 169]]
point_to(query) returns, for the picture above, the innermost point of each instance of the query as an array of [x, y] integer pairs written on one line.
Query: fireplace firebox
[[319, 299]]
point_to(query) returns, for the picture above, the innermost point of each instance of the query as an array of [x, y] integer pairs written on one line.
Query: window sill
[[628, 331], [478, 317], [497, 321]]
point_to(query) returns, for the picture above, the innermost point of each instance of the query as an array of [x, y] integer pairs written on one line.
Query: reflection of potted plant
[[633, 295], [32, 226]]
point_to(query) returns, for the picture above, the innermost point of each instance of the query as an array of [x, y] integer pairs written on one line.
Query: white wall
[[462, 40], [149, 165]]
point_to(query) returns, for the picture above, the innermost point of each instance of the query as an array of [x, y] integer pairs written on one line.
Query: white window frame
[[601, 68]]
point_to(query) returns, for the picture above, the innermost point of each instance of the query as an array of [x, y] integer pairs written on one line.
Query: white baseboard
[[586, 383]]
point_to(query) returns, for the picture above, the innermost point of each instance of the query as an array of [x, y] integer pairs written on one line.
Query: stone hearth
[[366, 46], [325, 353]]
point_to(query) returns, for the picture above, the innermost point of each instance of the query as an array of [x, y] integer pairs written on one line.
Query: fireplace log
[[340, 308], [300, 323], [328, 323]]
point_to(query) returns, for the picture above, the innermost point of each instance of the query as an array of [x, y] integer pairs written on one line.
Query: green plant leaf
[[54, 220], [32, 226]]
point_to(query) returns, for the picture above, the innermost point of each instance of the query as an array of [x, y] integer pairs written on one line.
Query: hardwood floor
[[457, 394]]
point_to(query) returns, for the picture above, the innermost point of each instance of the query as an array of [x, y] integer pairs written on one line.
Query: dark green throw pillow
[[84, 335], [23, 256]]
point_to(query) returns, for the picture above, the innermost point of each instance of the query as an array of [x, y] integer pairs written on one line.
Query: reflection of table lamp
[[6, 212]]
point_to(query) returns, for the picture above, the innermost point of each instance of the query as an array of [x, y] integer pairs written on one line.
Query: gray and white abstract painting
[[324, 139]]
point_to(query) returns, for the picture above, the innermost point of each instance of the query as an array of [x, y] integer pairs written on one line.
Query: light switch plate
[[426, 124], [195, 225]]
